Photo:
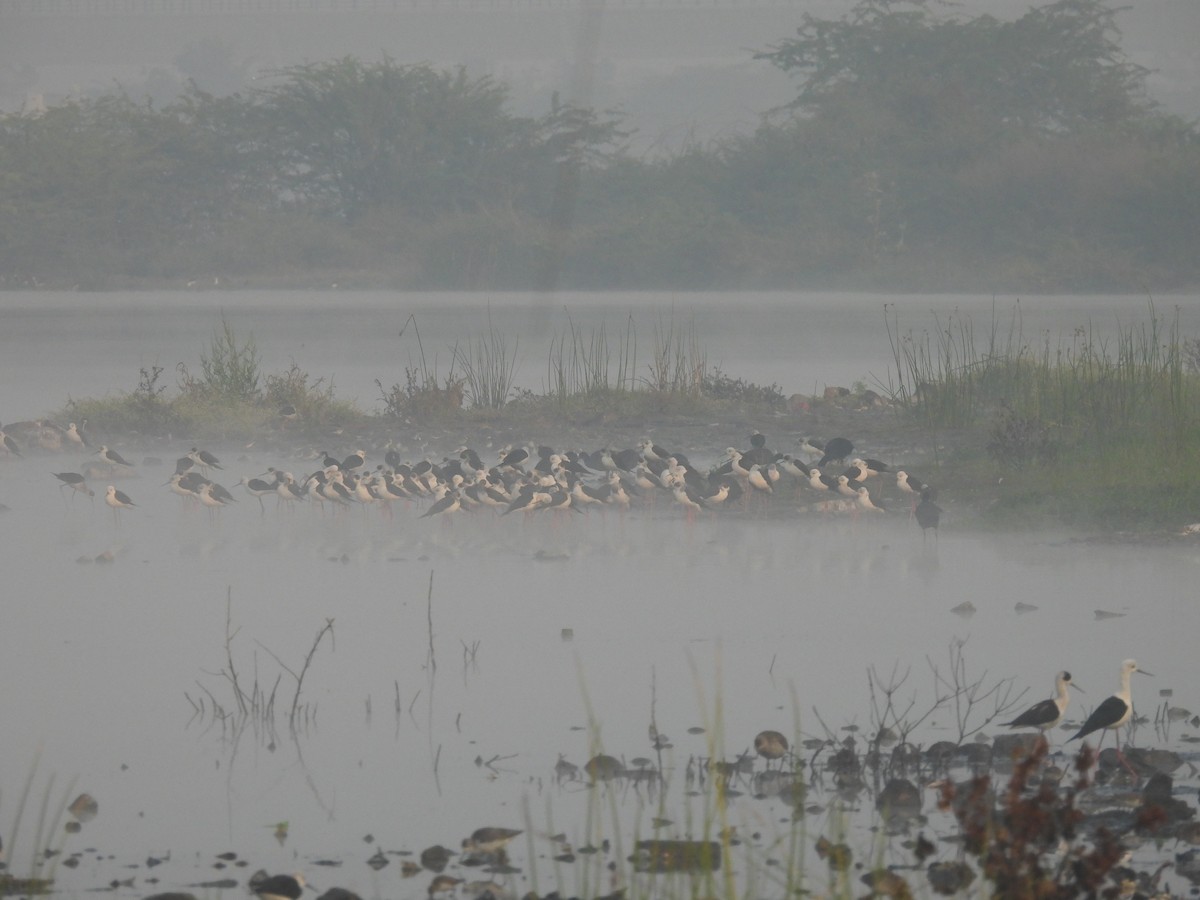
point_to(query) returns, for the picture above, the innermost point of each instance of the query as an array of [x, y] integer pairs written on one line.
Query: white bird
[[75, 435]]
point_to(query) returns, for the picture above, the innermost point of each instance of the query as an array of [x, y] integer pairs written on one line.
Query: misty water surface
[[771, 619]]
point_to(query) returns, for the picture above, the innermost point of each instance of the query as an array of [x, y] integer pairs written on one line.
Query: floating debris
[[676, 856], [1023, 608], [378, 861], [695, 729], [567, 634], [1102, 614], [966, 609]]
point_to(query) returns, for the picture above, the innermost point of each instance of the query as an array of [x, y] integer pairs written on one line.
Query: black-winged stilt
[[118, 500], [448, 504], [865, 501], [203, 459], [8, 445], [112, 457], [259, 488], [1114, 711], [1045, 714], [75, 482], [821, 482]]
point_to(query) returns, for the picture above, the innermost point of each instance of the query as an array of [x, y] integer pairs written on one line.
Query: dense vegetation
[[921, 152]]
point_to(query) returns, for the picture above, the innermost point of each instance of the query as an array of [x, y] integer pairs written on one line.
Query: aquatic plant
[[487, 366], [1079, 419], [253, 703], [1031, 846], [583, 366], [231, 368], [44, 853]]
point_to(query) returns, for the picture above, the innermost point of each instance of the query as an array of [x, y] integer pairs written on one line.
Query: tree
[[1058, 68], [354, 136]]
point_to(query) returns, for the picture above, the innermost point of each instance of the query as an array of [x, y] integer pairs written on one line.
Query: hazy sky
[[677, 68]]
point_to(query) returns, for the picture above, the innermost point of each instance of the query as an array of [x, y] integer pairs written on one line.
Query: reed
[[44, 852], [487, 366], [581, 364], [1081, 419], [1088, 388], [679, 362]]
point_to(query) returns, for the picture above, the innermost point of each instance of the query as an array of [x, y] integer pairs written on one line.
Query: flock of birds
[[532, 478]]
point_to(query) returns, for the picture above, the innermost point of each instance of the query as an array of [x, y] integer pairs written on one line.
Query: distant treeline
[[920, 153]]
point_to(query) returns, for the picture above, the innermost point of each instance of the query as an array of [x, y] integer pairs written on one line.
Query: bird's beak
[[1144, 672], [1078, 688]]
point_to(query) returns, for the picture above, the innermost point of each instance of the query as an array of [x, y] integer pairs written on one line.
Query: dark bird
[[928, 513], [836, 450], [1045, 714], [278, 887]]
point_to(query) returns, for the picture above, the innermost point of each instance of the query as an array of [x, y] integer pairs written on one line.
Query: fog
[[679, 71], [469, 654]]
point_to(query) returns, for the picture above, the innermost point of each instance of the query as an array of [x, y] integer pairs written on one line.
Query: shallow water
[[736, 624]]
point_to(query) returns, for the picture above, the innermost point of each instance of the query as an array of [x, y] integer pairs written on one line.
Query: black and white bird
[[260, 487], [278, 887], [204, 459], [8, 445], [112, 457], [1114, 711], [354, 461], [118, 500], [75, 481], [865, 502], [908, 484], [870, 467], [1045, 714]]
